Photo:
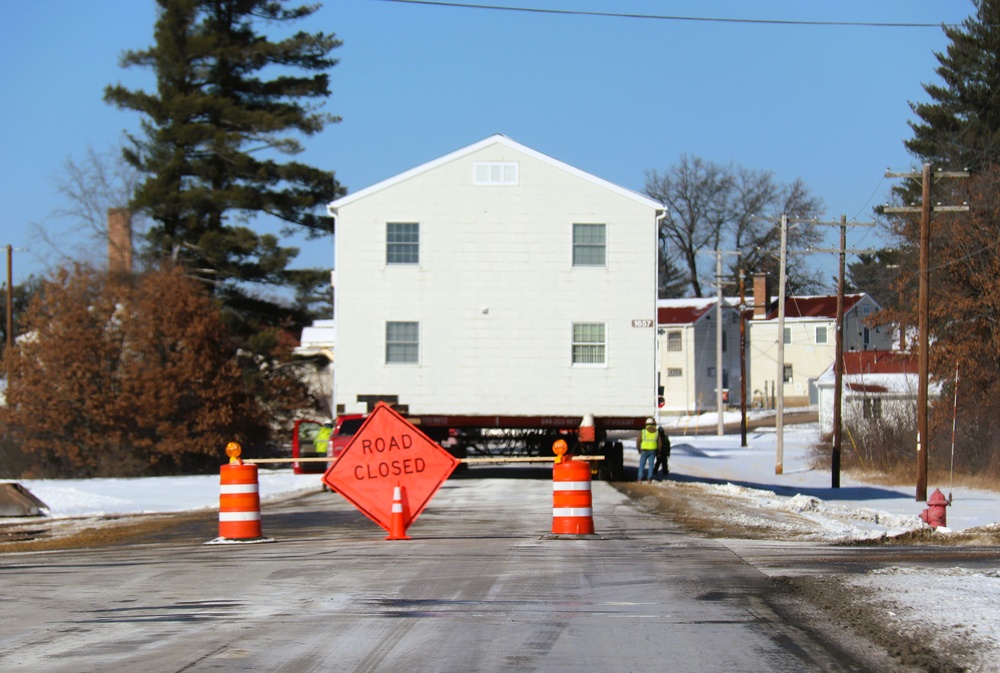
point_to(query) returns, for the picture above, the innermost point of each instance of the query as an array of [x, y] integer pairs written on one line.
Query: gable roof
[[823, 306], [880, 362], [496, 139], [688, 311], [686, 314]]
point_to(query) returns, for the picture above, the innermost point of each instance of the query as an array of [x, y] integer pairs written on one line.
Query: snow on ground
[[961, 603], [961, 606], [102, 497]]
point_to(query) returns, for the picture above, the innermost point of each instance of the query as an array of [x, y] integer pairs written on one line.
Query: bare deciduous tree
[[77, 230], [714, 207]]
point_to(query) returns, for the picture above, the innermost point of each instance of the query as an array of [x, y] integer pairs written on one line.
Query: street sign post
[[386, 452]]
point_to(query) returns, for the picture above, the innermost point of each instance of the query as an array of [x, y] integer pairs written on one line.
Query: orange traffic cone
[[397, 528]]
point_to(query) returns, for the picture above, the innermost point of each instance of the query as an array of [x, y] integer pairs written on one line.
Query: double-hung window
[[589, 244], [402, 243], [589, 343], [675, 340], [821, 335], [402, 343]]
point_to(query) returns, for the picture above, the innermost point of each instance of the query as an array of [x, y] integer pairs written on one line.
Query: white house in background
[[320, 338], [686, 350], [318, 341], [496, 281], [876, 384], [809, 343]]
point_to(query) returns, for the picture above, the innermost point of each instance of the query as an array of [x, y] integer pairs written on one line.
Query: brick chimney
[[761, 295], [119, 240]]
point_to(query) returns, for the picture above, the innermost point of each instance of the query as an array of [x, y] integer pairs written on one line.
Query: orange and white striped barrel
[[239, 502], [572, 509]]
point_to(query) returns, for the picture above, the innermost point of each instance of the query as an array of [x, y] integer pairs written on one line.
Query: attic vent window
[[496, 173]]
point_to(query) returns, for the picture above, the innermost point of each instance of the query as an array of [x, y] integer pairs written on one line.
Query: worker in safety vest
[[648, 444], [322, 440]]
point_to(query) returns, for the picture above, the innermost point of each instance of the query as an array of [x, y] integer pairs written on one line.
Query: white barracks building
[[497, 282]]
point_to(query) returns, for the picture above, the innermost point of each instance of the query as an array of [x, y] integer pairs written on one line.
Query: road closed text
[[386, 460]]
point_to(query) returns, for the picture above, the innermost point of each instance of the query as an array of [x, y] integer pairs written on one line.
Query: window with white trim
[[402, 343], [675, 341], [788, 335], [402, 243], [788, 374], [496, 173], [674, 372], [589, 244], [589, 343], [821, 334]]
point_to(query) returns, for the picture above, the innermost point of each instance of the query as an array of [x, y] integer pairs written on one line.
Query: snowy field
[[959, 603], [154, 495]]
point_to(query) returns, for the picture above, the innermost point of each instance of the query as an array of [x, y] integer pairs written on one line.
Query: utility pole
[[721, 426], [779, 407], [923, 355], [719, 323], [743, 364], [779, 403], [780, 398], [10, 297], [838, 362]]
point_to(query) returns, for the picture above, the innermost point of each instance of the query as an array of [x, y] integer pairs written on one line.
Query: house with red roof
[[809, 339], [877, 384], [687, 351]]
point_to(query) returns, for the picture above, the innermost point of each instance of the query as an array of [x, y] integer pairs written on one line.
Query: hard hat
[[650, 421]]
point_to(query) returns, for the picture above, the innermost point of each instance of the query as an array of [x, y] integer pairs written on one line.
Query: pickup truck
[[304, 441]]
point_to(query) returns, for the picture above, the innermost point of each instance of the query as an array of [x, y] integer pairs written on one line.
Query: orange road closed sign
[[388, 451]]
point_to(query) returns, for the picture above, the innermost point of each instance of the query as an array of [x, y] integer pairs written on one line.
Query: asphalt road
[[482, 586]]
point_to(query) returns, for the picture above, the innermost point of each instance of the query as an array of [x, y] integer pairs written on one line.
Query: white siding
[[496, 294]]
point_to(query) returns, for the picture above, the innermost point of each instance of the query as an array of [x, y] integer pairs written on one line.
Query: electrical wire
[[669, 17]]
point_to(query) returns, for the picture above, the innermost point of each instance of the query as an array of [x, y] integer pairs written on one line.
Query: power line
[[669, 17]]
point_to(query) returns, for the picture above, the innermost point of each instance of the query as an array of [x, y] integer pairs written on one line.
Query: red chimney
[[761, 295], [119, 240]]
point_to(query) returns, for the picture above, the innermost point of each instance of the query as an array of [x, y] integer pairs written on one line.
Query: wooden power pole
[[925, 209]]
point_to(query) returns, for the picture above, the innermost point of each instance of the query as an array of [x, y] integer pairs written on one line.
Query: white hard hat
[[650, 421]]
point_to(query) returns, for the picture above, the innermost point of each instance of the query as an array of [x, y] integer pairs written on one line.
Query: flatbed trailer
[[514, 436]]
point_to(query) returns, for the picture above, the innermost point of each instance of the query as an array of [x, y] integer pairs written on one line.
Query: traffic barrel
[[572, 509], [239, 499]]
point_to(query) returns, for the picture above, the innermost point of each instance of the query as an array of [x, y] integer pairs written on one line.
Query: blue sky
[[612, 96]]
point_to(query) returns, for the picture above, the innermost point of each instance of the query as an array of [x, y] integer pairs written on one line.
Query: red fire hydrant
[[934, 516]]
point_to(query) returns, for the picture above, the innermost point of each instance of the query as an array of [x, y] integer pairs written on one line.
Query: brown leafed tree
[[963, 315], [121, 377]]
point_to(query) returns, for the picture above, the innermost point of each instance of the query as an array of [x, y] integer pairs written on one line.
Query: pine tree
[[226, 104], [875, 274], [672, 279], [960, 128]]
